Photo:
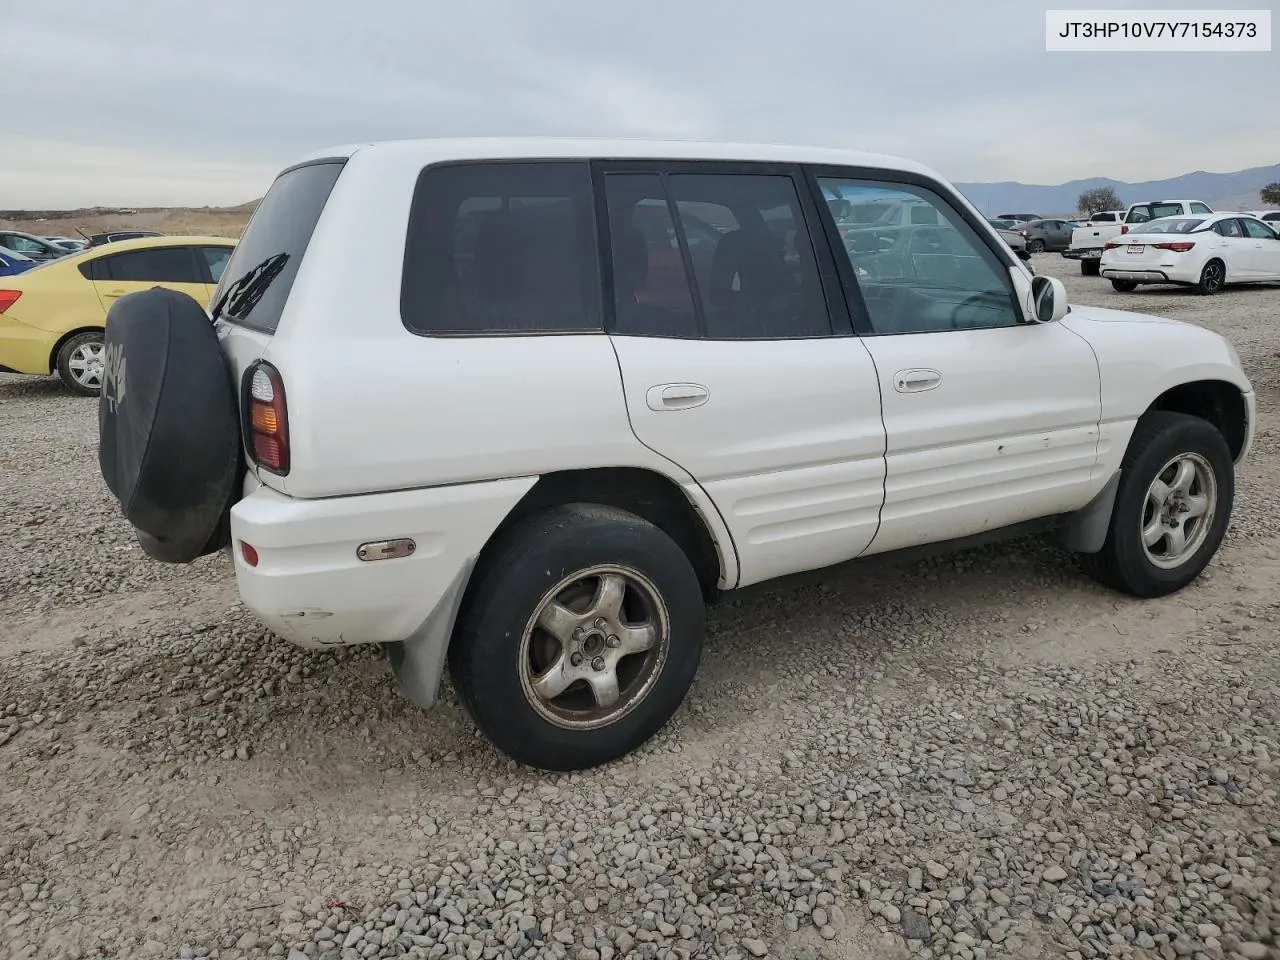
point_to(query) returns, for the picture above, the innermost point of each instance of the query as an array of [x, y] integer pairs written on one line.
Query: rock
[[915, 926], [1054, 874], [936, 870], [891, 913], [757, 948]]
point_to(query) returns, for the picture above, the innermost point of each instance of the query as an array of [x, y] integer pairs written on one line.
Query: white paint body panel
[[789, 443], [1009, 433]]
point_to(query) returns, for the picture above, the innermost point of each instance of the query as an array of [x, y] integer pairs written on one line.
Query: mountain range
[[1221, 191]]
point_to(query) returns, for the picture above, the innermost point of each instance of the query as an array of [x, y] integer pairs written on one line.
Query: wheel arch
[[1218, 401], [62, 340], [650, 495]]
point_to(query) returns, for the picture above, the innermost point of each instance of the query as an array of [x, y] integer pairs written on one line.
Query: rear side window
[[160, 265], [502, 248], [1200, 208], [756, 273], [282, 224]]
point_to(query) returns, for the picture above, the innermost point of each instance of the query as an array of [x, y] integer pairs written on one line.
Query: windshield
[[273, 245], [1171, 225]]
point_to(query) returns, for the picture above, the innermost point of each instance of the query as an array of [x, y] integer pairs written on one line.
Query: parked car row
[[51, 248], [53, 313]]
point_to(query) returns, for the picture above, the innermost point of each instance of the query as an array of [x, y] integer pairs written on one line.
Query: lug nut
[[600, 622], [598, 663], [613, 641], [575, 658], [578, 634]]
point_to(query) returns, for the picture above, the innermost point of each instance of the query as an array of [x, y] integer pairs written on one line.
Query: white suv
[[521, 406]]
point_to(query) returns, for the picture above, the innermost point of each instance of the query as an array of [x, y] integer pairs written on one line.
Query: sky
[[166, 102]]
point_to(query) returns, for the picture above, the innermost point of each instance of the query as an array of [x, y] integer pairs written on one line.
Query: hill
[[1222, 191]]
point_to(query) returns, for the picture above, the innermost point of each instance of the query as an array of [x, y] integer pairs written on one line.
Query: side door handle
[[676, 396], [916, 381], [115, 293]]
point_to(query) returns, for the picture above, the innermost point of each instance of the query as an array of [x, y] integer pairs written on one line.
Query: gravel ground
[[983, 755]]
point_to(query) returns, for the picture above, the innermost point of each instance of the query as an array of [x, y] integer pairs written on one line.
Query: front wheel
[[1177, 487], [1124, 286], [1035, 246], [81, 363], [580, 637]]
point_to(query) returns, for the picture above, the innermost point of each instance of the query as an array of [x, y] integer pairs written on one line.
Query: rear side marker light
[[250, 555], [386, 549], [268, 416], [8, 298]]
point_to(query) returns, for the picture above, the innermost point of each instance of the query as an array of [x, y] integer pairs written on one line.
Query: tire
[[1124, 286], [1213, 278], [1088, 268], [80, 363], [1161, 440], [1035, 246], [499, 650], [169, 425]]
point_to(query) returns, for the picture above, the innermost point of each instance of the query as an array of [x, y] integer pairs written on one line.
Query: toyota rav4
[[516, 409]]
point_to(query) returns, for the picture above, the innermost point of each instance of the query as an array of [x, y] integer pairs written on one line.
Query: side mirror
[[1048, 299]]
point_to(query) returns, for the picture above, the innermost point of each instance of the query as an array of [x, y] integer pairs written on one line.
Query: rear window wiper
[[247, 289]]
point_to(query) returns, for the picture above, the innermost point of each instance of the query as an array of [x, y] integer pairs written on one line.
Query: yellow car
[[52, 317]]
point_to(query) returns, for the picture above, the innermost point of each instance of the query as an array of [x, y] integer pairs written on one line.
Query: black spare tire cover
[[168, 424]]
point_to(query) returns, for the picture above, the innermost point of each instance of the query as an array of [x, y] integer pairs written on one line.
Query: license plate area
[[1136, 247]]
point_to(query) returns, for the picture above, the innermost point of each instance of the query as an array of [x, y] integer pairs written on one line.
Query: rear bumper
[[1155, 273], [1083, 253], [310, 587], [23, 348]]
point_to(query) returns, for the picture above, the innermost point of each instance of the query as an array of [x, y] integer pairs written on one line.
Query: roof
[[502, 148], [146, 243]]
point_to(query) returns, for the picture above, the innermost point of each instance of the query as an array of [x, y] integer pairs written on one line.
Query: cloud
[[156, 101]]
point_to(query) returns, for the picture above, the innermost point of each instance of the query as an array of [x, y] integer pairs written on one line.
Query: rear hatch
[[254, 288]]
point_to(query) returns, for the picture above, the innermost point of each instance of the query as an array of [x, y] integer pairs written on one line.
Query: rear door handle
[[916, 381], [676, 396], [116, 293]]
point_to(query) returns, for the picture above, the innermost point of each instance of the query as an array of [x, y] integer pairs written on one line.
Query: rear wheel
[[1177, 486], [1212, 278], [81, 363], [1089, 268], [1125, 286], [1035, 246], [580, 637]]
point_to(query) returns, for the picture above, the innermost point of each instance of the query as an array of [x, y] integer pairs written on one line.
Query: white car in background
[[1203, 252]]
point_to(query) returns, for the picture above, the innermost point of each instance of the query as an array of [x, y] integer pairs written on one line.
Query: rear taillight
[[1124, 230], [1179, 246], [1110, 246], [268, 418], [8, 298]]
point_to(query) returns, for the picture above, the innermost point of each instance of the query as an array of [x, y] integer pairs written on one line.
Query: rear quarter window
[[283, 224], [502, 247]]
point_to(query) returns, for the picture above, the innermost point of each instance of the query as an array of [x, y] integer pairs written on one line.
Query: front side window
[[502, 248], [158, 265], [215, 259], [1257, 231], [917, 276], [23, 245]]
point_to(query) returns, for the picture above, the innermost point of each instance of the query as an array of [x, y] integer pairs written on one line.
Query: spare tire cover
[[168, 424]]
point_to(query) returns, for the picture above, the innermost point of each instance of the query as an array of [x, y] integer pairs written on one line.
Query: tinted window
[[650, 283], [160, 265], [1200, 208], [1153, 211], [502, 247], [1227, 228], [1257, 231], [283, 223], [753, 261], [1271, 216], [216, 259], [921, 278]]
